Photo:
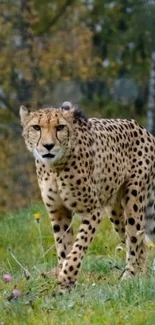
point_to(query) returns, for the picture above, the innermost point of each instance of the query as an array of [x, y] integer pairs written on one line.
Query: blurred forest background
[[99, 54]]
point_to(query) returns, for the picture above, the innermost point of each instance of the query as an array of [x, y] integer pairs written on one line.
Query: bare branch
[[56, 17]]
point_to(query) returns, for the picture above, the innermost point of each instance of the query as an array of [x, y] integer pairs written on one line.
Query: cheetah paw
[[63, 288], [127, 274]]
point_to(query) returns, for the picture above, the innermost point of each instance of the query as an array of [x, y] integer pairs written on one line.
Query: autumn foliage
[[85, 51]]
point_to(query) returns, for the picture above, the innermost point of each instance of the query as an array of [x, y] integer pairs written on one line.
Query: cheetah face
[[48, 133]]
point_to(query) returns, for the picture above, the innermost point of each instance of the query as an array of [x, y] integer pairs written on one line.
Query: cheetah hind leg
[[134, 208], [117, 219], [150, 215]]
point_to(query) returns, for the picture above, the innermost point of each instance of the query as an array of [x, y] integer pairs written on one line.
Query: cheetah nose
[[48, 146]]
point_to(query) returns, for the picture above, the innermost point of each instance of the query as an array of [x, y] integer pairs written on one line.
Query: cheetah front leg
[[135, 202], [69, 271], [63, 233]]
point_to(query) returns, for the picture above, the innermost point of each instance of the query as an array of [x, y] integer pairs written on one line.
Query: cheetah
[[84, 165]]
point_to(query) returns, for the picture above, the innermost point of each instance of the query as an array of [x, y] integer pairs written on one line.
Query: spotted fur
[[84, 165]]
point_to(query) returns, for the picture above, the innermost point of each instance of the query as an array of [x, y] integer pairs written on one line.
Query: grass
[[99, 298]]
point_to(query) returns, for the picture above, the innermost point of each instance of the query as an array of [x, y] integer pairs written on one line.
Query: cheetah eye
[[60, 127], [36, 127]]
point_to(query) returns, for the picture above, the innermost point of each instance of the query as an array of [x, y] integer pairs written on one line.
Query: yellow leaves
[[19, 185], [69, 54]]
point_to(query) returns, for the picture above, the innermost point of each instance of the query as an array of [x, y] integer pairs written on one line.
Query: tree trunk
[[151, 96]]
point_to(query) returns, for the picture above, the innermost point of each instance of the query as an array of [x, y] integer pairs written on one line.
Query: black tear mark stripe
[[40, 130]]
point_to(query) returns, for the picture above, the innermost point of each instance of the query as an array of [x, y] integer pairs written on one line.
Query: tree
[[98, 49], [151, 95], [38, 49]]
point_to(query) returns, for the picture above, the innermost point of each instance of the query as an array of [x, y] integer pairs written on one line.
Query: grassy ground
[[99, 298]]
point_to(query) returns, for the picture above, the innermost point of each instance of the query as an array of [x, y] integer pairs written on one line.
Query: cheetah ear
[[72, 110], [66, 106], [24, 113]]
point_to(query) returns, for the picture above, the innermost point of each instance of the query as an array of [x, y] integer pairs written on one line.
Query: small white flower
[[110, 5], [106, 63], [98, 27], [131, 45], [128, 10]]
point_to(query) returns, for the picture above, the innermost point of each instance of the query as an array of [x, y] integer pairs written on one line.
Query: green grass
[[99, 298]]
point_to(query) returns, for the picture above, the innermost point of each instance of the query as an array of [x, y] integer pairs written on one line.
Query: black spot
[[131, 221], [73, 205], [71, 268], [48, 205], [56, 228], [133, 240], [50, 197], [139, 153], [147, 161], [135, 133], [132, 253], [63, 255], [67, 169], [134, 192], [141, 199], [78, 182], [86, 222], [135, 207], [73, 163], [65, 227], [138, 226]]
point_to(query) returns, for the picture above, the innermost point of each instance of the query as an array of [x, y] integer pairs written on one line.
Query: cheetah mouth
[[48, 155]]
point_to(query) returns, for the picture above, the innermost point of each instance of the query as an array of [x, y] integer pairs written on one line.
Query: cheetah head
[[49, 132]]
